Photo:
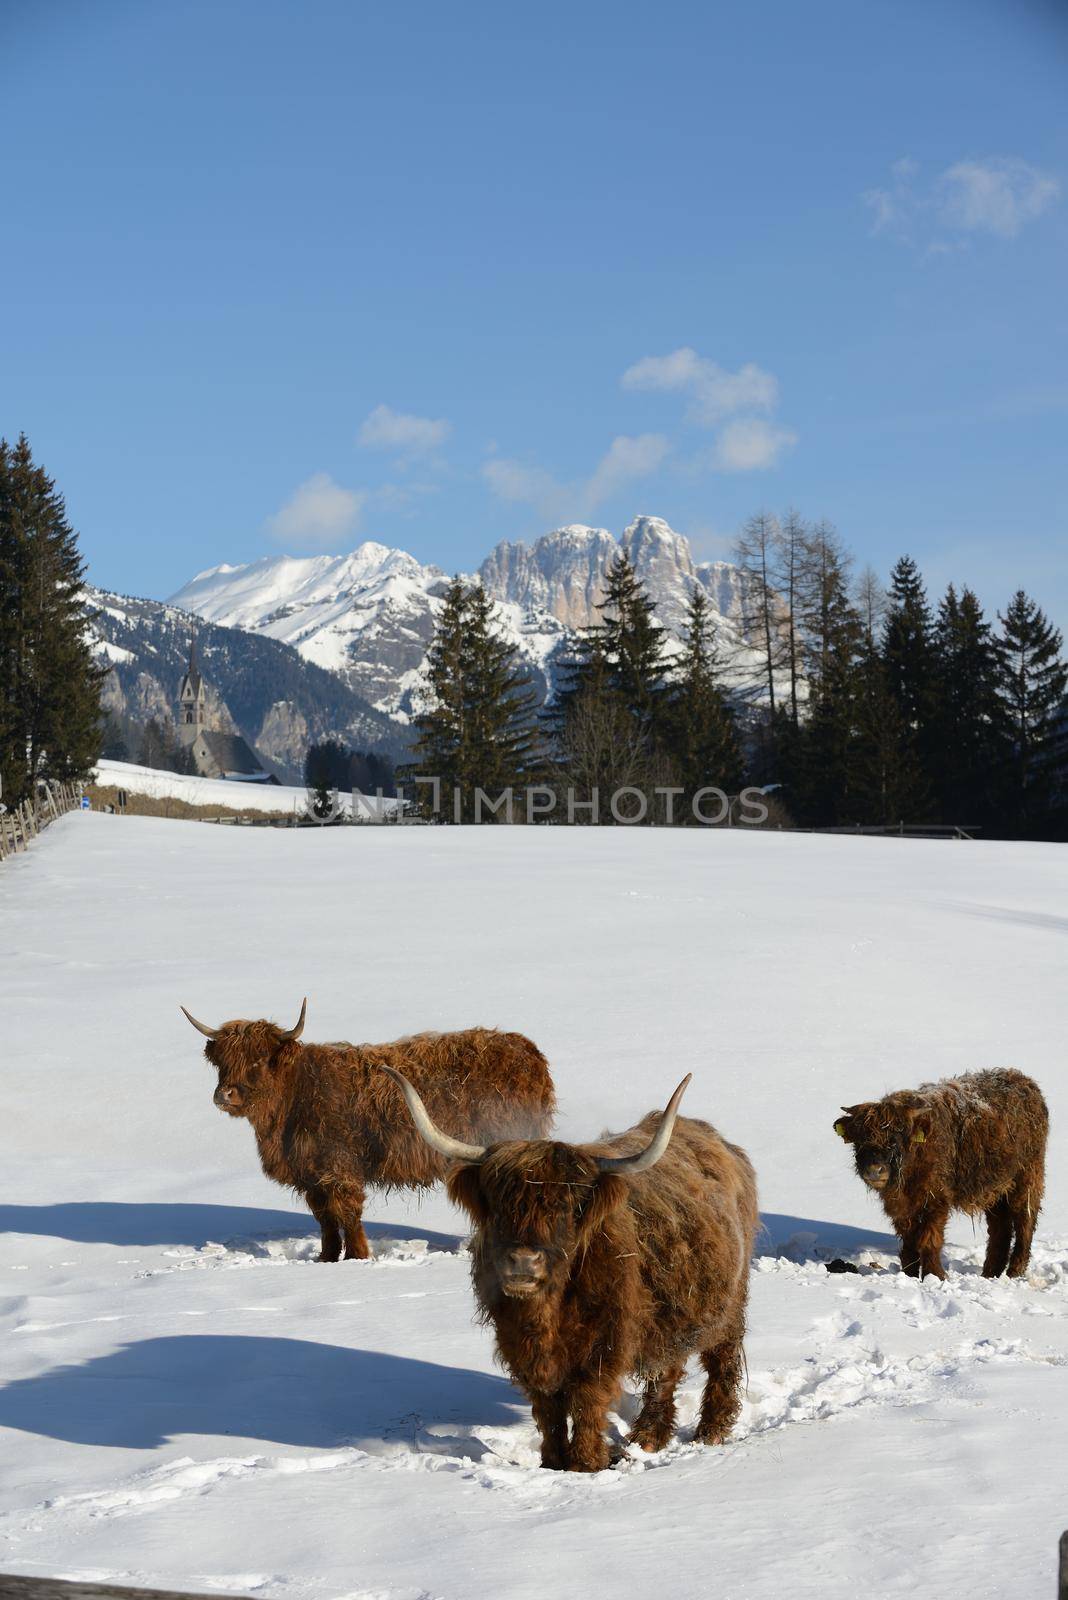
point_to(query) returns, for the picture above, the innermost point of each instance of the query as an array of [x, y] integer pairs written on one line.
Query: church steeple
[[192, 700]]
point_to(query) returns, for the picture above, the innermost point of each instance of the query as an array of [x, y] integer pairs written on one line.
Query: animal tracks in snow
[[848, 1369], [280, 1250]]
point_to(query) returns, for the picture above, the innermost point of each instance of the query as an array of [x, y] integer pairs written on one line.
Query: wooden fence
[[18, 827]]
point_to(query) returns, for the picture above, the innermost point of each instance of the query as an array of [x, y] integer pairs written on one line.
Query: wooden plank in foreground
[[14, 1587]]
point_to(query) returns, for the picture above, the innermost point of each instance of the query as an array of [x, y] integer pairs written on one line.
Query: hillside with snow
[[189, 1400], [256, 686], [369, 616]]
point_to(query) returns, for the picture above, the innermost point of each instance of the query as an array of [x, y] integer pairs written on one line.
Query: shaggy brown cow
[[596, 1261], [973, 1143], [328, 1126]]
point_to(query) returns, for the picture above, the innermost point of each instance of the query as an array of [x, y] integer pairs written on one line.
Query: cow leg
[[910, 1252], [319, 1201], [930, 1236], [588, 1404], [1024, 1203], [550, 1414], [998, 1238], [656, 1420], [348, 1203], [722, 1399]]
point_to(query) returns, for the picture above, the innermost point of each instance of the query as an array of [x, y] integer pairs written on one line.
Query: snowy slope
[[269, 798], [189, 1400], [370, 615]]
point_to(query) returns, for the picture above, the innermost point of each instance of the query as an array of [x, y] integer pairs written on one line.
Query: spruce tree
[[1033, 682], [633, 641], [480, 731], [703, 738], [909, 659], [908, 645], [884, 777], [835, 635], [50, 715], [623, 651], [972, 746]]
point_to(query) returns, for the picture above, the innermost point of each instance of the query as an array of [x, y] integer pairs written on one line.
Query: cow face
[[247, 1056], [884, 1135], [535, 1205]]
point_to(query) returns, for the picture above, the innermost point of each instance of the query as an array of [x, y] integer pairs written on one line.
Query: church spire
[[192, 699]]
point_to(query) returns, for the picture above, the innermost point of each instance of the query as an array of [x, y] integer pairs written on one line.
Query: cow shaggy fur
[[976, 1143], [329, 1124], [641, 1272]]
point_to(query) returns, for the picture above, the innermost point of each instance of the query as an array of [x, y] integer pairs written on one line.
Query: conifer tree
[[703, 736], [909, 659], [907, 645], [623, 651], [1033, 682], [884, 778], [633, 641], [50, 715], [480, 732], [972, 745], [835, 635]]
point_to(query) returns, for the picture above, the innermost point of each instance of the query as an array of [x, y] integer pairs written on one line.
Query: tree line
[[849, 702], [49, 681]]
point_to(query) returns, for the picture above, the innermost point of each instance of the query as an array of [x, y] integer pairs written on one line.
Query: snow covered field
[[227, 794], [189, 1400]]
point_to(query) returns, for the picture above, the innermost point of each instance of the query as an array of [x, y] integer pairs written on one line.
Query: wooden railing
[[18, 827]]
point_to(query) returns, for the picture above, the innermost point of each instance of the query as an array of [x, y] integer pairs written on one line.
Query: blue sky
[[286, 276]]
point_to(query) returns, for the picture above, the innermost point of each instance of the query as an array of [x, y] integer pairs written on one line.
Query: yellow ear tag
[[839, 1128], [918, 1138]]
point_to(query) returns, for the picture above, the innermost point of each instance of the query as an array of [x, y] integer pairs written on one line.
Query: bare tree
[[870, 600], [824, 588], [792, 558], [755, 555]]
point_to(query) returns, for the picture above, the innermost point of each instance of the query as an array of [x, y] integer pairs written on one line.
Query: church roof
[[232, 754]]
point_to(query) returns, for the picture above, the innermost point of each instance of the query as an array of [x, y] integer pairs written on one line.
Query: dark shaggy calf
[[597, 1261], [329, 1126], [973, 1143]]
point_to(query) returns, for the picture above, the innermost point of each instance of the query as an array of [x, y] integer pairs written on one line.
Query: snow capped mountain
[[369, 616], [256, 686]]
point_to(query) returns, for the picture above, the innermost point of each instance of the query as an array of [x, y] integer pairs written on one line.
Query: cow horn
[[658, 1144], [446, 1146], [201, 1027], [298, 1027]]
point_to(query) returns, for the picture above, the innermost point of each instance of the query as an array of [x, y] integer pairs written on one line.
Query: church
[[214, 755]]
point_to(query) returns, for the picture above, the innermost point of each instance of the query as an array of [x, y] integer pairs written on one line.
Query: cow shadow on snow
[[286, 1391], [132, 1223], [834, 1238]]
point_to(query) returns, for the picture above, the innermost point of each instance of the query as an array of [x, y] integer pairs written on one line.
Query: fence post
[[1062, 1579]]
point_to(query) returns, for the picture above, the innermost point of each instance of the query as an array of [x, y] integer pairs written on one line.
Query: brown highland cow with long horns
[[329, 1126], [595, 1261], [973, 1143]]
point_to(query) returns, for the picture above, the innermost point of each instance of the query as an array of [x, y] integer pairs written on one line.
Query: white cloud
[[714, 393], [723, 402], [626, 459], [750, 444], [318, 512], [997, 196], [401, 433]]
